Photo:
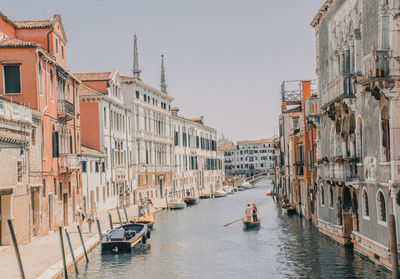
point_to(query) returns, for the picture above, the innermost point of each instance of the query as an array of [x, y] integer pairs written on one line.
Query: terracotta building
[[34, 73]]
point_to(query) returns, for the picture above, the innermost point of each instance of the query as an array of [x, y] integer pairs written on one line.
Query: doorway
[[65, 208], [161, 189], [35, 209], [50, 201]]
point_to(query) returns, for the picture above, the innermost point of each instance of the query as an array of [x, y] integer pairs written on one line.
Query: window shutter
[[56, 150]]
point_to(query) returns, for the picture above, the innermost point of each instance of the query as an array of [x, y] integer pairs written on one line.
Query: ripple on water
[[192, 243]]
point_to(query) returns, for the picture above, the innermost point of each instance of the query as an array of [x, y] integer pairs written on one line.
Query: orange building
[[33, 72]]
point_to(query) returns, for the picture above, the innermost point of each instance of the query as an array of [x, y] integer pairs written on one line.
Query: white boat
[[176, 203], [220, 194], [247, 185], [229, 190]]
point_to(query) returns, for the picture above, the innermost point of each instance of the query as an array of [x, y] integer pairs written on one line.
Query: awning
[[61, 75]]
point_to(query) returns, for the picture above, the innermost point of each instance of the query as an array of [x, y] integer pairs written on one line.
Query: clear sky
[[225, 59]]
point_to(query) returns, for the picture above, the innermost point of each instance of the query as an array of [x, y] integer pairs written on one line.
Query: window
[[57, 45], [137, 94], [322, 196], [40, 78], [12, 80], [381, 207], [55, 144], [385, 134], [51, 85], [19, 171], [33, 136], [84, 166], [62, 51], [55, 186], [365, 203], [331, 196], [105, 117]]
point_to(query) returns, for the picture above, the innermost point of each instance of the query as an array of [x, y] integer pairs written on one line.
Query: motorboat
[[220, 194], [241, 188], [248, 225], [148, 220], [246, 185], [205, 196], [125, 238], [288, 210], [189, 200], [176, 204], [229, 189]]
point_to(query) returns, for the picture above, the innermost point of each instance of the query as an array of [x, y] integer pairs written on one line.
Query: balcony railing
[[376, 65], [311, 107], [68, 163], [66, 110], [342, 86]]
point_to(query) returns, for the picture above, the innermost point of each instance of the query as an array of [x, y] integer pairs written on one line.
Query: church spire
[[136, 70], [163, 84]]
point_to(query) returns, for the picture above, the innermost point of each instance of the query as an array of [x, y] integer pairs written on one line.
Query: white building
[[249, 158], [152, 133], [107, 126], [198, 168]]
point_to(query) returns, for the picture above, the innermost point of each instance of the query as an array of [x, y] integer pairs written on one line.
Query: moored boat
[[205, 196], [247, 225], [190, 200], [288, 210], [246, 185], [148, 220], [220, 194], [125, 238], [229, 190], [241, 188], [176, 204]]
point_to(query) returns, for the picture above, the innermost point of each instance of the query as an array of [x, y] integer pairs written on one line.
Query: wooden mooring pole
[[393, 247], [98, 228], [110, 219], [126, 214], [71, 250], [15, 244], [63, 252], [83, 243], [119, 215]]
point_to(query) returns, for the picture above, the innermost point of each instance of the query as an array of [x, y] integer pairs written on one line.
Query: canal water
[[192, 243]]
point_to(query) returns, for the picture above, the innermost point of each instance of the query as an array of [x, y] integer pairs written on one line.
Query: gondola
[[247, 225], [190, 200], [148, 220], [125, 238]]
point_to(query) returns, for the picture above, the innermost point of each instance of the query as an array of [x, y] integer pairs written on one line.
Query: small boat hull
[[288, 210], [176, 204], [248, 225], [125, 238], [220, 194], [148, 220], [190, 200], [205, 196]]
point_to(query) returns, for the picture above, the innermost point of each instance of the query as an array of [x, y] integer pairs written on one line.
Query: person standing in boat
[[248, 212], [254, 209]]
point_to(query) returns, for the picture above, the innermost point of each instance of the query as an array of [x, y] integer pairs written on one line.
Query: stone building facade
[[198, 168], [358, 155]]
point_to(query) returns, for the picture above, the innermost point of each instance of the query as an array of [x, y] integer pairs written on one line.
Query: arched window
[[381, 206], [365, 203], [359, 140], [40, 78], [385, 134], [322, 195], [51, 85], [330, 196], [332, 142]]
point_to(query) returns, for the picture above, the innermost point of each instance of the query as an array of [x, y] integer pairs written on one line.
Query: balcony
[[376, 65], [66, 110], [341, 87], [68, 163]]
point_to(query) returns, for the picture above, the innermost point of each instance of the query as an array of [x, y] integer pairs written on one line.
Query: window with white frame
[[365, 203], [12, 79], [381, 206]]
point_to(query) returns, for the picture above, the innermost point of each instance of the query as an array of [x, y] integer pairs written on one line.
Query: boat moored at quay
[[125, 238]]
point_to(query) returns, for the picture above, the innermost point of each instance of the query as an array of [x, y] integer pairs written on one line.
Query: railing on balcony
[[66, 110], [342, 86], [311, 106], [68, 163], [376, 64]]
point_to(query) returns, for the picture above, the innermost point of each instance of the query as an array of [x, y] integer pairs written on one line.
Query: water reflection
[[192, 243]]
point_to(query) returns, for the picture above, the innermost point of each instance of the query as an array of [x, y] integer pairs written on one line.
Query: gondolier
[[248, 212]]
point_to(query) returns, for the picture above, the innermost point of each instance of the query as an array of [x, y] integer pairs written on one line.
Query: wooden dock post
[[83, 243], [166, 201], [110, 219], [393, 247], [71, 250], [119, 216], [126, 214], [63, 253], [15, 244], [98, 228]]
